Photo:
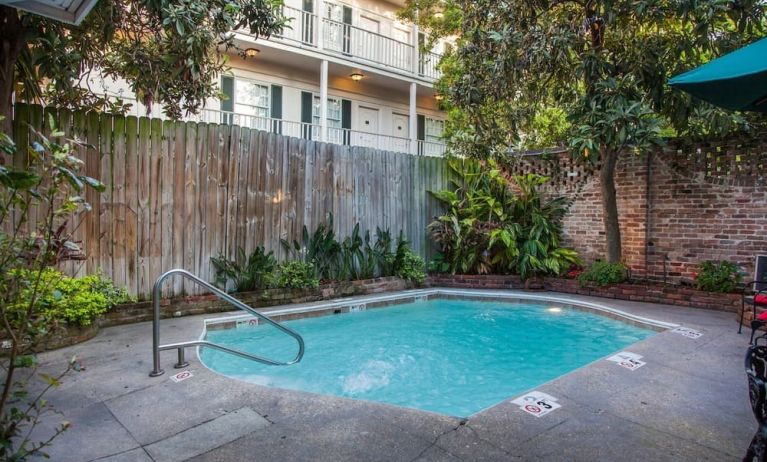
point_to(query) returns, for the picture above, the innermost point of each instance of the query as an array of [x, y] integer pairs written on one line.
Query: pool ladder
[[180, 346]]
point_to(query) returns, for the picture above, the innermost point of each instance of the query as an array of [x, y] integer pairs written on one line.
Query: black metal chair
[[756, 372], [750, 298]]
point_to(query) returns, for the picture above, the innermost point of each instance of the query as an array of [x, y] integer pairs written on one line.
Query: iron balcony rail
[[156, 347]]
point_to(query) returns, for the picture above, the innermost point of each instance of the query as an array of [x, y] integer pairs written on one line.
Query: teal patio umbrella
[[735, 81]]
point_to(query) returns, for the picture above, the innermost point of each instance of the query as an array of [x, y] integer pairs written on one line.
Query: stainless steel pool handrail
[[156, 347]]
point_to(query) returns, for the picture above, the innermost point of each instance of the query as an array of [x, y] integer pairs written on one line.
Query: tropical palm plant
[[245, 274]]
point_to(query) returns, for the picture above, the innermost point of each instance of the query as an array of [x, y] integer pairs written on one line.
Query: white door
[[400, 129], [401, 54], [365, 40], [334, 27], [367, 127]]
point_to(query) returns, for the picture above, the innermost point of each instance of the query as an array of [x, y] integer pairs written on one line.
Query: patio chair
[[756, 372], [754, 296]]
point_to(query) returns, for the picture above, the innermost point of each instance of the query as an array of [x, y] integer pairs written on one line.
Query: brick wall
[[705, 202]]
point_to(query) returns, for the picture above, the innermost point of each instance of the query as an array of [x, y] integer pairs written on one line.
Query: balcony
[[357, 44]]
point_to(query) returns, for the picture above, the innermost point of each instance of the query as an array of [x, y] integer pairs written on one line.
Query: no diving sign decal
[[687, 332], [537, 403], [628, 360], [183, 375]]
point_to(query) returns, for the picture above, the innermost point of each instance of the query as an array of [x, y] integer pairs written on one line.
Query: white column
[[324, 100], [413, 119], [416, 49], [320, 14]]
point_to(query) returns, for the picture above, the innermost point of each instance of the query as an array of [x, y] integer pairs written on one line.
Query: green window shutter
[[346, 119], [276, 102], [307, 99], [227, 103], [276, 112], [347, 30], [420, 131]]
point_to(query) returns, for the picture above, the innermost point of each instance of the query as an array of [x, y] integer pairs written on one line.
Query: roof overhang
[[69, 11]]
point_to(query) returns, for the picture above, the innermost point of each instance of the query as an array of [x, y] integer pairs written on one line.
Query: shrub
[[76, 301], [244, 274], [718, 276], [494, 225], [294, 275], [411, 267], [603, 273]]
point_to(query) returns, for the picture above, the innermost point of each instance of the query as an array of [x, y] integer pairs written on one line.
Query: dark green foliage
[[356, 257], [320, 248], [245, 274], [603, 273], [718, 276], [294, 275], [494, 225]]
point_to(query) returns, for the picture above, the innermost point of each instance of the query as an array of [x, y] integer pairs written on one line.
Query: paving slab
[[207, 436], [134, 455], [94, 433]]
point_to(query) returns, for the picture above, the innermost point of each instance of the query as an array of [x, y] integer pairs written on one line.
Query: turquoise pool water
[[454, 357]]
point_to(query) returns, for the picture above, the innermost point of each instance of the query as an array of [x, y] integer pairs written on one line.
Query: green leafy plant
[[718, 276], [320, 249], [40, 204], [245, 274], [494, 224], [75, 301], [603, 273], [294, 275], [411, 267]]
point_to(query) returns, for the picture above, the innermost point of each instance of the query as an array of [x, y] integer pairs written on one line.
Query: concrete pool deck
[[689, 402]]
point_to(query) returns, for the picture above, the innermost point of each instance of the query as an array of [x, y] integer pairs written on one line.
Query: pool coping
[[351, 304]]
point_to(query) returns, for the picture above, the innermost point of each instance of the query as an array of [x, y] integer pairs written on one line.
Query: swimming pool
[[452, 356]]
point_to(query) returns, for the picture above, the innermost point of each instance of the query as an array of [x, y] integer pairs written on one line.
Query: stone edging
[[640, 292]]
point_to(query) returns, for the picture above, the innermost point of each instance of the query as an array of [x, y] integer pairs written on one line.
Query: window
[[252, 99], [434, 129], [335, 133]]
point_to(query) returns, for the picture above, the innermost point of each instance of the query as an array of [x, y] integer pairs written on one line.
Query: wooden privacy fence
[[179, 193]]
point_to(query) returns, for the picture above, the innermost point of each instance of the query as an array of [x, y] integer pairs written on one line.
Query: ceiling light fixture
[[251, 52], [357, 76]]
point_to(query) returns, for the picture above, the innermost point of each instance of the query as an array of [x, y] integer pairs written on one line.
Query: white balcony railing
[[356, 44], [302, 26]]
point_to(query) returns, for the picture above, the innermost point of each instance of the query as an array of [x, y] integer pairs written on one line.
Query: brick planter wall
[[640, 292], [205, 304]]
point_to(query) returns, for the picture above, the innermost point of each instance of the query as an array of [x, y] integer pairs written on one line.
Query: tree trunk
[[11, 44], [609, 159]]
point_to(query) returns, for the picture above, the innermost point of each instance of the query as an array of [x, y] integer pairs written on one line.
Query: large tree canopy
[[167, 50], [588, 74]]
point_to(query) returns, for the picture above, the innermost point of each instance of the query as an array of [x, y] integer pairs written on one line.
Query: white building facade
[[343, 72]]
